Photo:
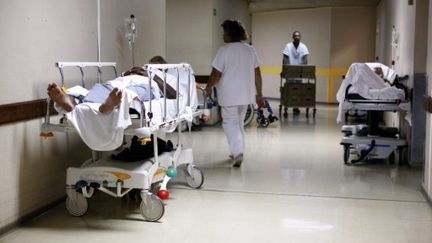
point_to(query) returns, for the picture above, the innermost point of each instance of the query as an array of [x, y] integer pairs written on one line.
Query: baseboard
[[32, 215]]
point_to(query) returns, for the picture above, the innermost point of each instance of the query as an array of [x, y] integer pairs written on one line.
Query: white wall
[[189, 33], [151, 22], [193, 29], [229, 9], [352, 40], [35, 35], [352, 35], [402, 17]]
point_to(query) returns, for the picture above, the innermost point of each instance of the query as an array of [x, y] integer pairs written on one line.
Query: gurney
[[371, 141], [154, 117]]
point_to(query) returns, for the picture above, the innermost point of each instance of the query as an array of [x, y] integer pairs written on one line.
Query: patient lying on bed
[[371, 81], [103, 115], [108, 96]]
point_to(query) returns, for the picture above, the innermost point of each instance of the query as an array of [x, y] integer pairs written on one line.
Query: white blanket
[[366, 83], [101, 131]]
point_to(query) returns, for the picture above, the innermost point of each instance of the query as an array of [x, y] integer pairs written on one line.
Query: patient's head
[[233, 31], [379, 71], [157, 60], [296, 37], [135, 71]]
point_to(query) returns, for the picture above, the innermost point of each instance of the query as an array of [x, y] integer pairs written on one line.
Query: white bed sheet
[[105, 132], [366, 83]]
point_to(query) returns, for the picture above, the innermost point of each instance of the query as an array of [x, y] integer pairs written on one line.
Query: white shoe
[[237, 160]]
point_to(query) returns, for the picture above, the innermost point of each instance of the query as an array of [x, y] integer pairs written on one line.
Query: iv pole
[[131, 34], [98, 32]]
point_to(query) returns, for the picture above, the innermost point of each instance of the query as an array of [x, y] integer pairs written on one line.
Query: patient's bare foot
[[59, 97], [113, 100]]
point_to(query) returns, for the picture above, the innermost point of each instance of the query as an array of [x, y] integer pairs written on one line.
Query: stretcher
[[117, 178], [371, 141]]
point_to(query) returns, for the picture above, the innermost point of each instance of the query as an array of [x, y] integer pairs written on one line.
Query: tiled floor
[[292, 187]]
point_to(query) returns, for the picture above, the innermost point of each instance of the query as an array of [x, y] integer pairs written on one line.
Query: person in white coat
[[237, 77], [295, 53]]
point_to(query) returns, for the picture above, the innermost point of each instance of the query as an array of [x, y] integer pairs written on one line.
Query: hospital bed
[[117, 178], [371, 141]]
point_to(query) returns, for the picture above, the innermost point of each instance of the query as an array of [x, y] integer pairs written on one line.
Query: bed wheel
[[152, 208], [76, 204], [346, 153], [194, 176]]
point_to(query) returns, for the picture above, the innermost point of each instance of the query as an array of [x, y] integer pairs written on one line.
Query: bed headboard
[[82, 65]]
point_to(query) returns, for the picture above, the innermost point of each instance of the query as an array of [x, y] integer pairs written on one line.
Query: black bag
[[138, 151]]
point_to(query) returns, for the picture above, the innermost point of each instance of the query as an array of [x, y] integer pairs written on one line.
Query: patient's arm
[[171, 93]]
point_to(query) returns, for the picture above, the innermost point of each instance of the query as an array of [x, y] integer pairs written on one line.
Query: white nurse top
[[295, 54], [237, 62]]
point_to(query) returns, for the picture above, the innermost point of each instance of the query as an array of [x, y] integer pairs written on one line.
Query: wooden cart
[[297, 88]]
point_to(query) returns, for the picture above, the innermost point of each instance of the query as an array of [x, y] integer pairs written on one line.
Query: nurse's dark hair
[[235, 30]]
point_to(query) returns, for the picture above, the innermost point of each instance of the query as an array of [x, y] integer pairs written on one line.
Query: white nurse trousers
[[233, 125]]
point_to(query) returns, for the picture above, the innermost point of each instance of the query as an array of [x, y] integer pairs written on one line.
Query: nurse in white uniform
[[237, 78]]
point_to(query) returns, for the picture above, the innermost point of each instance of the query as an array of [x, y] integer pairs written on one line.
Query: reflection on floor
[[292, 187]]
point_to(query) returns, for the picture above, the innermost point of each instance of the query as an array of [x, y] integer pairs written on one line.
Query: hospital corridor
[[293, 187], [216, 121]]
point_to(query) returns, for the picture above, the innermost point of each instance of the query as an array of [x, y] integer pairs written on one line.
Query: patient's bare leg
[[113, 100], [59, 97]]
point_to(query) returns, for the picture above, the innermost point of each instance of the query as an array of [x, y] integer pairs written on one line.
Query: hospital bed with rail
[[372, 141], [117, 178]]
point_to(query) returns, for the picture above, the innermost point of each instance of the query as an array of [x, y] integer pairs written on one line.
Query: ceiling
[[272, 5]]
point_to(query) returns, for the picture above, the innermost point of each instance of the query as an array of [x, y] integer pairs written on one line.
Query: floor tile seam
[[309, 195]]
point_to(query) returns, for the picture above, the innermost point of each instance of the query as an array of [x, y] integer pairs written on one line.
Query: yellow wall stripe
[[329, 73], [271, 69]]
